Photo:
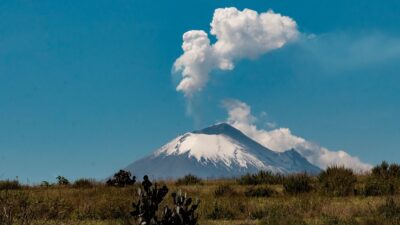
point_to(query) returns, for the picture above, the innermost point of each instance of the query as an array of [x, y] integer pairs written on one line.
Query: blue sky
[[86, 86]]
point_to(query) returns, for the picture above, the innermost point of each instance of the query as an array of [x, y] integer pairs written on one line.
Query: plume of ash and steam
[[239, 35]]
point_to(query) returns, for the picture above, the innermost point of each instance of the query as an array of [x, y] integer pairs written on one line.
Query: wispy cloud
[[282, 139], [239, 35], [344, 52]]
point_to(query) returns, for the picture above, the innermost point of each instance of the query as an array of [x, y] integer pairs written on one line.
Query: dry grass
[[99, 204]]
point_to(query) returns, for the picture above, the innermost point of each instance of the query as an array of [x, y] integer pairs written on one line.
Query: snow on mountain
[[217, 151]]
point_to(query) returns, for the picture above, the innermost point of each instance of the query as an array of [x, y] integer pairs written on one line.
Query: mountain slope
[[217, 151]]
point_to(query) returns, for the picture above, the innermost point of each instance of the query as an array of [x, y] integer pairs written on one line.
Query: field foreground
[[222, 202]]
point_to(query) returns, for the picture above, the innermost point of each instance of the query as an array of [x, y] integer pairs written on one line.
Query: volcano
[[218, 151]]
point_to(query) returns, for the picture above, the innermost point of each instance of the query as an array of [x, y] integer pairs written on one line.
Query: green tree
[[62, 180], [121, 179]]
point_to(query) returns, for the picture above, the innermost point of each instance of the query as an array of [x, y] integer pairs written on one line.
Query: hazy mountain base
[[109, 205]]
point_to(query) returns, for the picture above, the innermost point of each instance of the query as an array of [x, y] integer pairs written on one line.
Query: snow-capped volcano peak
[[217, 151], [213, 144], [219, 128]]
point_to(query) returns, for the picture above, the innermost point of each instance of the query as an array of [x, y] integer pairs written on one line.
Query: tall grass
[[10, 185], [336, 196], [262, 177]]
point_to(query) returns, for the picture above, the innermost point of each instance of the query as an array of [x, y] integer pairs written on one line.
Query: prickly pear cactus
[[183, 212], [150, 197]]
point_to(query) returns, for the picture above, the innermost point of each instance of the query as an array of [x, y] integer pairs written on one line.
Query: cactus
[[150, 197], [184, 211]]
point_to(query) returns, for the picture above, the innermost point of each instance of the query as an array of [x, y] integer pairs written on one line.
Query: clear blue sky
[[86, 86]]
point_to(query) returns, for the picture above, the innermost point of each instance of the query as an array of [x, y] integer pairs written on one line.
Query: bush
[[218, 212], [188, 180], [376, 187], [258, 192], [62, 180], [121, 179], [223, 190], [337, 181], [287, 220], [16, 208], [10, 185], [45, 184], [390, 209], [83, 183], [281, 215], [384, 170], [262, 177], [384, 180], [297, 183], [334, 220], [257, 214]]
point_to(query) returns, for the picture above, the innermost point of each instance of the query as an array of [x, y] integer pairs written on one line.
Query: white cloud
[[239, 35], [281, 139], [345, 53]]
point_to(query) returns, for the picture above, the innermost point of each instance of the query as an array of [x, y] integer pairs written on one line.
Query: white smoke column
[[281, 139], [239, 35]]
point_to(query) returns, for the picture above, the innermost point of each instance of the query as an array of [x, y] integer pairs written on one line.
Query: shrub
[[257, 214], [281, 215], [62, 180], [287, 220], [10, 185], [262, 177], [16, 208], [45, 184], [223, 190], [380, 170], [150, 197], [258, 192], [390, 209], [248, 179], [83, 183], [188, 180], [219, 212], [337, 181], [297, 183], [121, 179], [334, 220], [394, 170], [376, 186], [384, 180]]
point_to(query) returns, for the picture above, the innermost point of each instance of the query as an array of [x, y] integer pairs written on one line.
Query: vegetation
[[262, 177], [224, 190], [121, 179], [219, 212], [337, 181], [258, 192], [297, 183], [384, 180], [84, 183], [150, 197], [336, 196], [9, 185], [188, 180], [62, 180]]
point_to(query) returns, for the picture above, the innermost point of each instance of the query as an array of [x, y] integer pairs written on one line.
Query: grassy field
[[222, 202], [110, 205]]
